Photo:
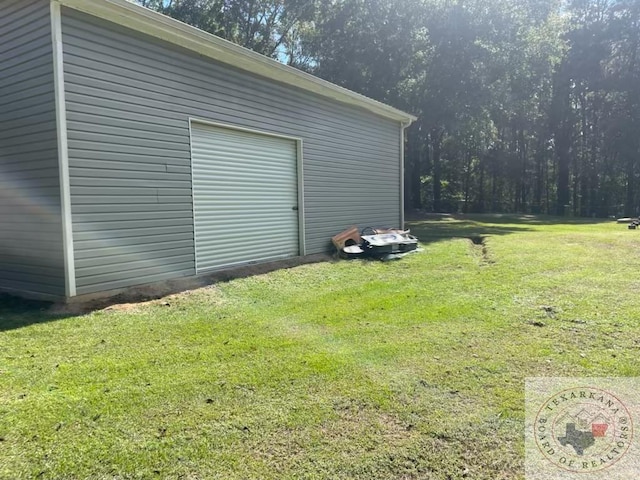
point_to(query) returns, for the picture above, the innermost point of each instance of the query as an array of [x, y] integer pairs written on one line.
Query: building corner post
[[63, 152], [403, 127]]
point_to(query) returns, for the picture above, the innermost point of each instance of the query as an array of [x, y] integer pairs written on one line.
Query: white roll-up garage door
[[245, 197]]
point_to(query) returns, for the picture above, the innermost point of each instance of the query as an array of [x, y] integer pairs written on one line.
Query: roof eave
[[152, 23]]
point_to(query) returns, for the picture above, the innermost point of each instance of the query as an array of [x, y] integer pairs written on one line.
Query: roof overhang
[[152, 23]]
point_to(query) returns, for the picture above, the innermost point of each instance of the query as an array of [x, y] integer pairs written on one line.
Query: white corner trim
[[63, 152], [403, 126], [136, 17]]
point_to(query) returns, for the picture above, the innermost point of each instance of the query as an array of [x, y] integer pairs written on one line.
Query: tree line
[[528, 106]]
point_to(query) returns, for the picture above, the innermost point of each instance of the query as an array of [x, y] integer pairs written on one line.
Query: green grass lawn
[[349, 369]]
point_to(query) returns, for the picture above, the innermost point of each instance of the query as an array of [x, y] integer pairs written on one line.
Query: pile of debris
[[378, 243], [633, 222]]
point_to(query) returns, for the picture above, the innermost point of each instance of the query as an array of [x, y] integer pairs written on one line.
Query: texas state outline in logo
[[583, 429]]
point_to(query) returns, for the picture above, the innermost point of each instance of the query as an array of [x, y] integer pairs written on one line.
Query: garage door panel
[[244, 194]]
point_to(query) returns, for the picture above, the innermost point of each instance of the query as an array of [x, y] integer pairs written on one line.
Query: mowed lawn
[[338, 370]]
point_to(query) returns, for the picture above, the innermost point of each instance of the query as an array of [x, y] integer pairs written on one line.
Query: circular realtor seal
[[583, 429]]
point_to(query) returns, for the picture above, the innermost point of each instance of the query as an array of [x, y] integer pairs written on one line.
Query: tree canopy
[[526, 106]]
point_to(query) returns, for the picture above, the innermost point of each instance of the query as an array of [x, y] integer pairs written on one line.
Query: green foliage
[[269, 27]]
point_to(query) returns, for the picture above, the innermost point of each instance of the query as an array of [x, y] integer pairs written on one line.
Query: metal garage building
[[135, 149]]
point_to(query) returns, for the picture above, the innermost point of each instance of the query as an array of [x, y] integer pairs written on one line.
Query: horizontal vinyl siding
[[31, 252], [129, 99]]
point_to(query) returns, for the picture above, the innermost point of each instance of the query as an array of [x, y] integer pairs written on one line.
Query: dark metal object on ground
[[634, 224], [387, 243], [379, 243]]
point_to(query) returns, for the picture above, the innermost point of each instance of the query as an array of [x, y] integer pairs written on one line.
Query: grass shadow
[[16, 312], [441, 228], [504, 218], [434, 227]]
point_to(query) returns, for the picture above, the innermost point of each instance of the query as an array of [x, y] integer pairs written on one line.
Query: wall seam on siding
[[63, 151]]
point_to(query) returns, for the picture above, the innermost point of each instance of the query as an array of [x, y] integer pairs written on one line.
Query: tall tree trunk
[[522, 148], [563, 153], [549, 176], [582, 161], [629, 205], [594, 207], [480, 201], [562, 128], [412, 173], [467, 181], [436, 135], [538, 184], [494, 191]]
